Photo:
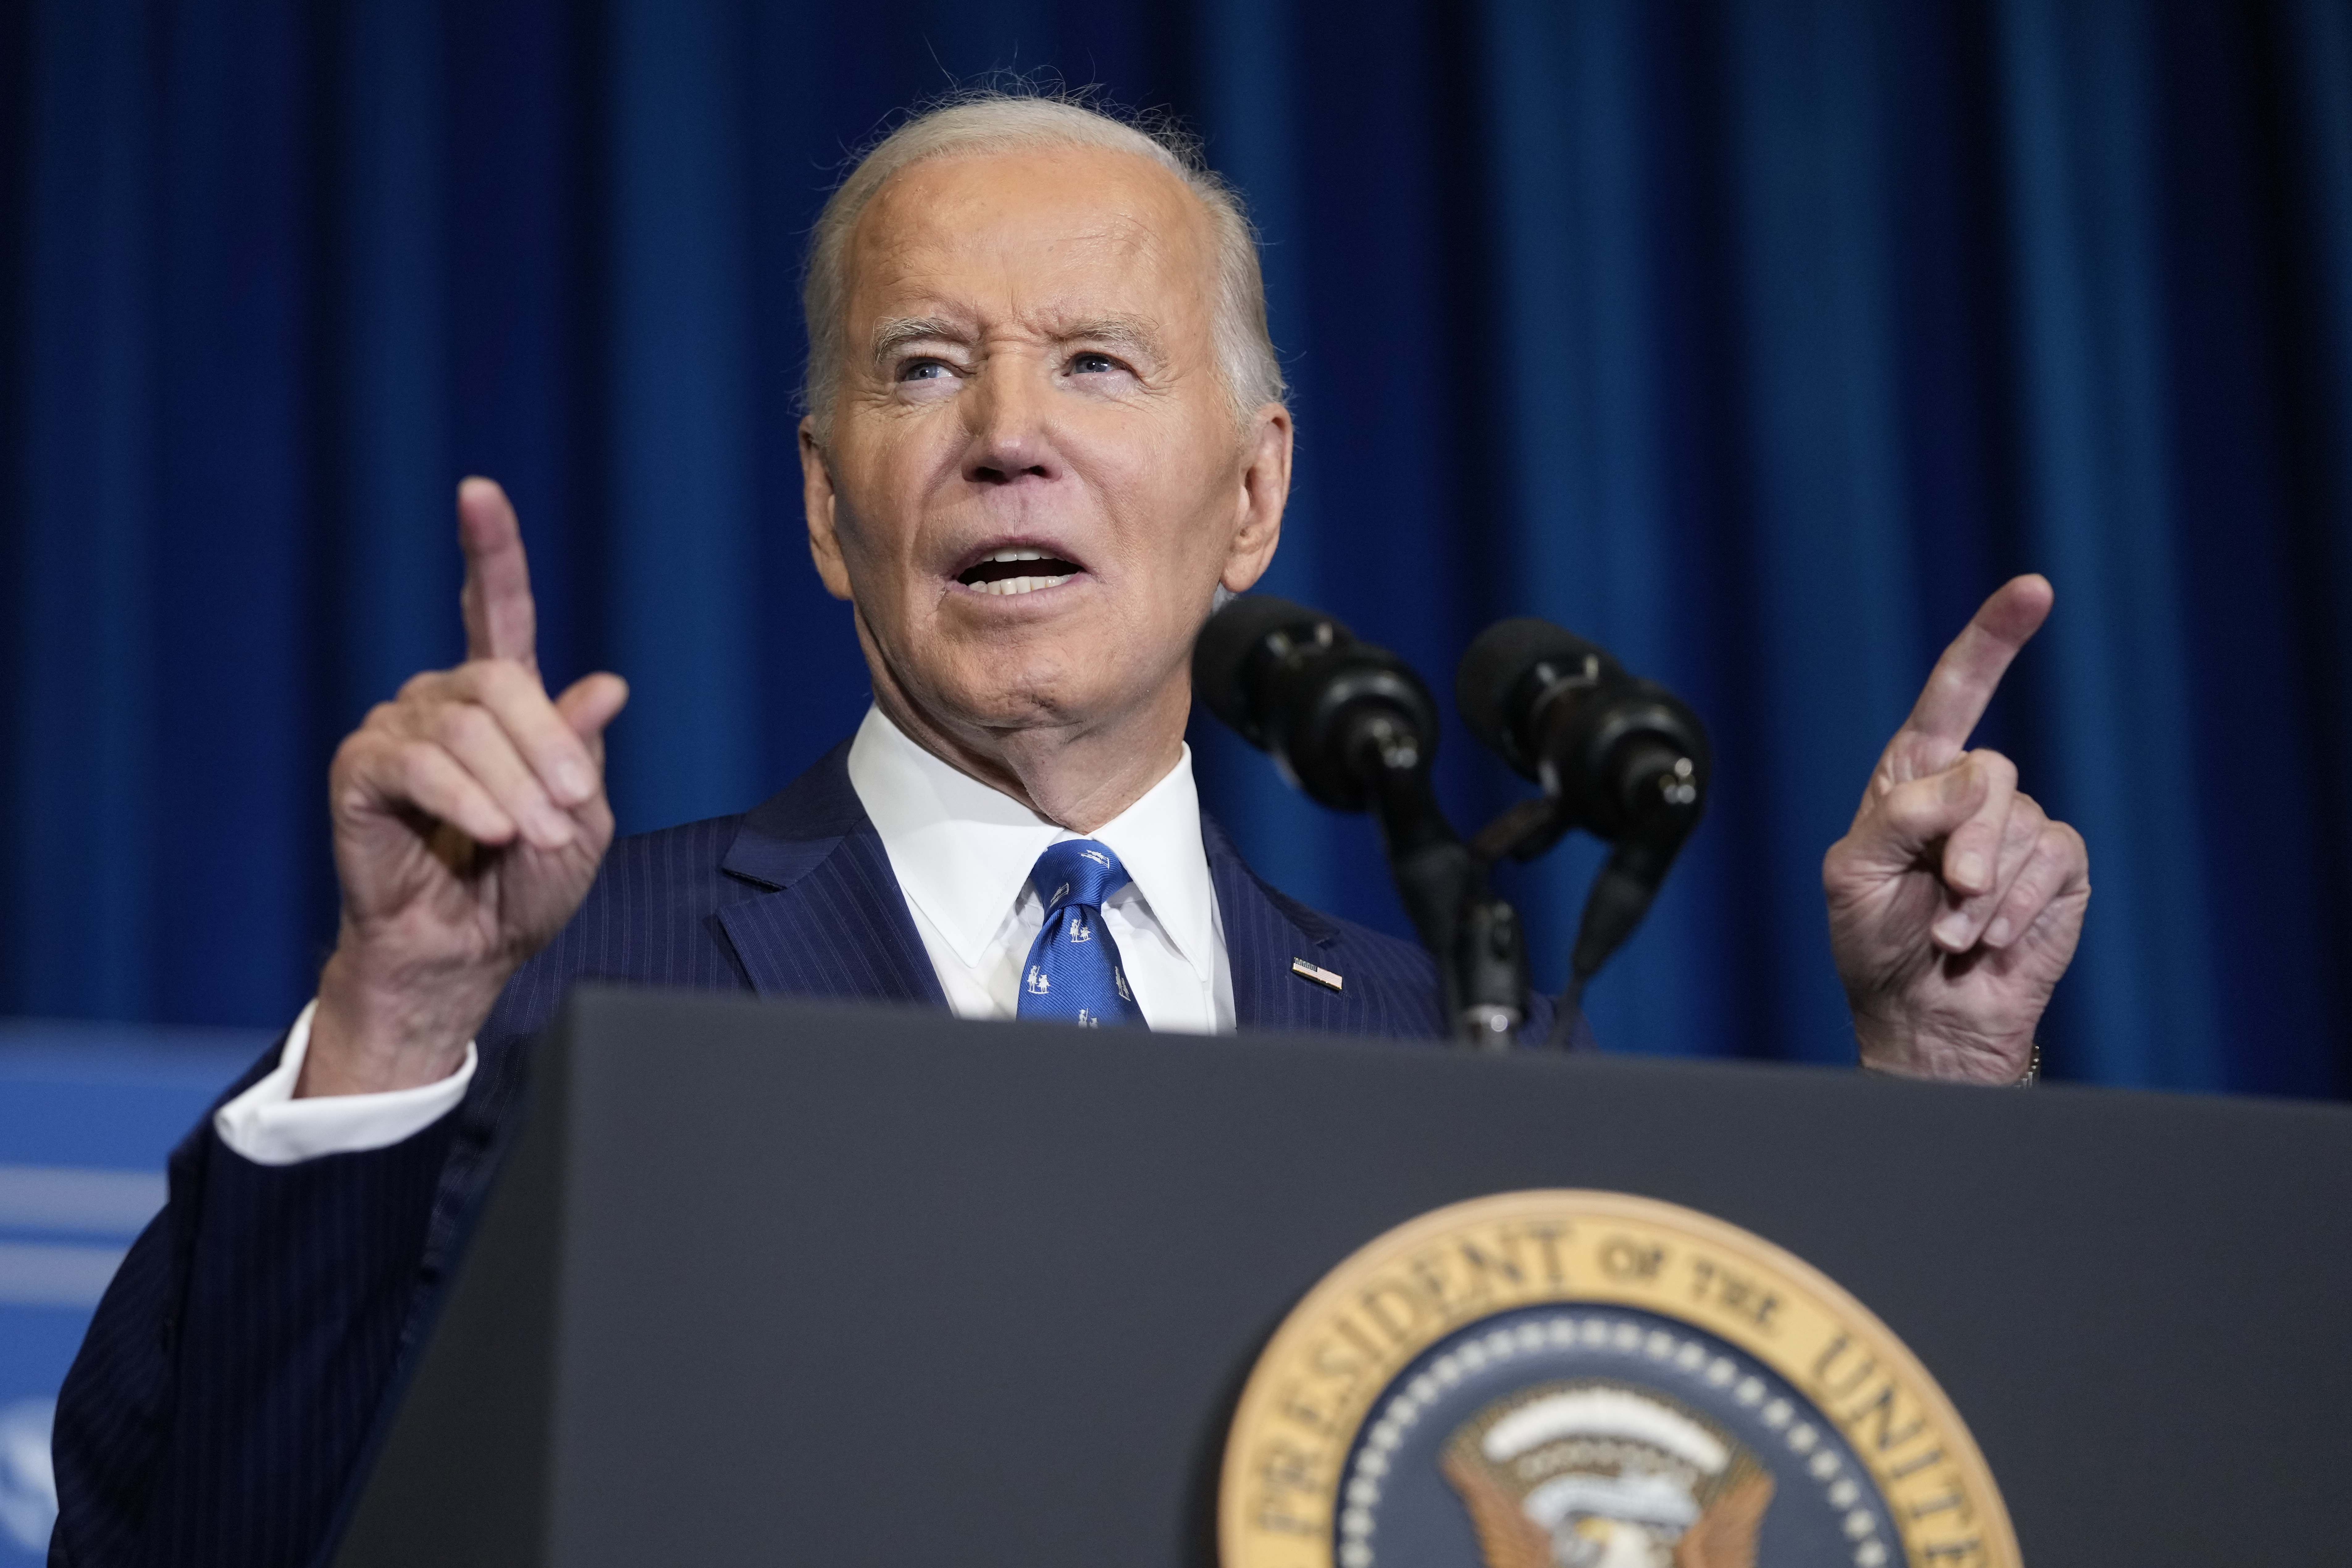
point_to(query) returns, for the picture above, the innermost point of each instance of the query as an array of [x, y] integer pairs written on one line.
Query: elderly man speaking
[[1045, 426]]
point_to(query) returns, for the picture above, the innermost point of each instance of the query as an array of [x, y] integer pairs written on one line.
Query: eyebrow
[[1120, 331], [896, 332]]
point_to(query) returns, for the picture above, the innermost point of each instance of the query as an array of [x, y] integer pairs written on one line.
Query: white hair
[[978, 121]]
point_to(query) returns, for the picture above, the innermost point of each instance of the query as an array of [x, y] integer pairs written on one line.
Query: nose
[[1010, 439]]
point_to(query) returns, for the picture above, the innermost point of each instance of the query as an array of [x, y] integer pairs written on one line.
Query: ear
[[818, 500], [1257, 505]]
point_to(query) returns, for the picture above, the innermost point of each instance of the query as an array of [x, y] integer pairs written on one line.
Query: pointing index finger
[[501, 622], [1964, 679]]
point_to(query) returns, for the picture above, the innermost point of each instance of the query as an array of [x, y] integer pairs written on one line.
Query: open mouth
[[1018, 569]]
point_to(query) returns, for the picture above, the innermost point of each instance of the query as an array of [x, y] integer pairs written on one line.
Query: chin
[[1024, 703], [1035, 672], [1005, 694]]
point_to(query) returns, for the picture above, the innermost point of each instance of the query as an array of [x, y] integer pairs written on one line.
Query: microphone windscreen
[[1489, 675], [1222, 655]]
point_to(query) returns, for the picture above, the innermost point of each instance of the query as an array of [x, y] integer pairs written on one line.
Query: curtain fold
[[1757, 339]]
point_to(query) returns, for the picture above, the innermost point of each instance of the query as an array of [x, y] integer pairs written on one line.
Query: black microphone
[[1352, 725], [1623, 758], [1335, 712]]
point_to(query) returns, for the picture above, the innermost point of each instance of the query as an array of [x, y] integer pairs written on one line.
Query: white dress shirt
[[269, 1127], [962, 853]]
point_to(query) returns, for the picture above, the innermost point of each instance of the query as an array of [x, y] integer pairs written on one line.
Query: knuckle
[[352, 766], [2061, 847], [2039, 878], [1916, 807], [417, 762], [1995, 767], [464, 682], [367, 754], [463, 724], [498, 680]]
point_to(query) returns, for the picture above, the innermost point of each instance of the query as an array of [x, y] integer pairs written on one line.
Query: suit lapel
[[832, 921], [1264, 932]]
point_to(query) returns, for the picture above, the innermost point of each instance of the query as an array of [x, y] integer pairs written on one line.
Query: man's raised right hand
[[469, 819]]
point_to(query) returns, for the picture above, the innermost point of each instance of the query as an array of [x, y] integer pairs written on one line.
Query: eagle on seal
[[1594, 1473]]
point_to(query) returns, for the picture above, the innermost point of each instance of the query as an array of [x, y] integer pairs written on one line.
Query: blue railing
[[88, 1112]]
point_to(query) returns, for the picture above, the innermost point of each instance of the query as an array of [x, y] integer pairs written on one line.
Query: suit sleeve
[[238, 1366], [235, 1366]]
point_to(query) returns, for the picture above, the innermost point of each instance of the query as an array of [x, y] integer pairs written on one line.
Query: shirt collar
[[1158, 839], [963, 851]]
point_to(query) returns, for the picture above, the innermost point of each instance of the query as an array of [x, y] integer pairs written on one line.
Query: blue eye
[[1093, 365], [921, 370]]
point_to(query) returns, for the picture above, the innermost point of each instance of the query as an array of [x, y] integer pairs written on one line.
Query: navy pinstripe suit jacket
[[236, 1365]]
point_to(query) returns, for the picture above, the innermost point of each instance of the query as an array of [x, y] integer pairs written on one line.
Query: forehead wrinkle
[[908, 232], [903, 244], [906, 244], [1022, 275]]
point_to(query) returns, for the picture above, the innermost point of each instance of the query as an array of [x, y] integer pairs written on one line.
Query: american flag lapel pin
[[1321, 976]]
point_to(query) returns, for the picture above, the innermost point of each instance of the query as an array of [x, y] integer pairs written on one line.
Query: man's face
[[1029, 371]]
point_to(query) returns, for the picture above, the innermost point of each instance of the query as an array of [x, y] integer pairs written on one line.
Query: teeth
[[1005, 585]]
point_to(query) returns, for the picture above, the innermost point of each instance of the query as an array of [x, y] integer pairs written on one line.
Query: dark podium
[[842, 1286]]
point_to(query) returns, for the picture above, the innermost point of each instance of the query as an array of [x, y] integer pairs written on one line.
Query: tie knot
[[1076, 871]]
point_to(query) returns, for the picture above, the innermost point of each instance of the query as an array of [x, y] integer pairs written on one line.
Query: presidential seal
[[1593, 1380]]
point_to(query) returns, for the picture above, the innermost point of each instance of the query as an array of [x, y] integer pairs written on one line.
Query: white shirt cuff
[[269, 1127]]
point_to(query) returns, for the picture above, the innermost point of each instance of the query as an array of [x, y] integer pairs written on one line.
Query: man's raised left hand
[[1955, 903]]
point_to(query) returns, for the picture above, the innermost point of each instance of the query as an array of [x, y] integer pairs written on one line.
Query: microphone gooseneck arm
[[1657, 793], [1354, 728], [1474, 936], [1623, 758], [1425, 855]]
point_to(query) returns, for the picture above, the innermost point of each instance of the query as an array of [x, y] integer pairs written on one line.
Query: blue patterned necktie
[[1074, 974]]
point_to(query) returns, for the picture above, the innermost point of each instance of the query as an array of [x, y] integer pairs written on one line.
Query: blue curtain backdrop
[[1758, 339]]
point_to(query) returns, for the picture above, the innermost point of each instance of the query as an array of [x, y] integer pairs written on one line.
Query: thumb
[[1911, 816], [590, 702]]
